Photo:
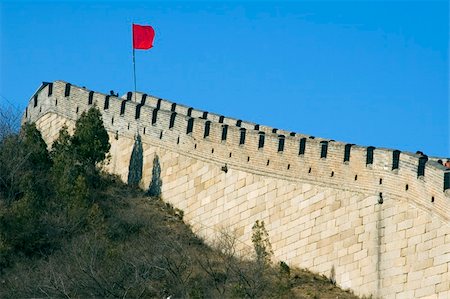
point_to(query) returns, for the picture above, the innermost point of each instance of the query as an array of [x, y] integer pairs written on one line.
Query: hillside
[[67, 229], [142, 248]]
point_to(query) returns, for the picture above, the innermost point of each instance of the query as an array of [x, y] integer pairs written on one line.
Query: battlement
[[256, 148]]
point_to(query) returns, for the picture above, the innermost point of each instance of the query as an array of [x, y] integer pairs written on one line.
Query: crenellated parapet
[[256, 148]]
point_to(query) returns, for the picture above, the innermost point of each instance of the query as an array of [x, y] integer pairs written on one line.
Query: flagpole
[[134, 74]]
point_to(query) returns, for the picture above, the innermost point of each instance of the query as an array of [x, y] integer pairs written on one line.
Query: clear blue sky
[[365, 72]]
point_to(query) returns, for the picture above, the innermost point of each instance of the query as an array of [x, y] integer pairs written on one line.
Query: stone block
[[434, 270], [442, 259], [431, 280], [425, 292], [444, 295], [360, 254], [422, 265], [443, 286], [405, 295], [406, 224], [354, 248], [440, 250]]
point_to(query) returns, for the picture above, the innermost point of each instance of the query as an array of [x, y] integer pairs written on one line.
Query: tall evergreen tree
[[90, 139], [136, 163], [155, 185]]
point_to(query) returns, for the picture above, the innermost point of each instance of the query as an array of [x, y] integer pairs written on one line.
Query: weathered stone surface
[[320, 212]]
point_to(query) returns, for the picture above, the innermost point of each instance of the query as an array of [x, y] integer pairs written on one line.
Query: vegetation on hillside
[[69, 230]]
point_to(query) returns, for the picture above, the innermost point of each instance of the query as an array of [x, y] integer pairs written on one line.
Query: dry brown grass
[[141, 248]]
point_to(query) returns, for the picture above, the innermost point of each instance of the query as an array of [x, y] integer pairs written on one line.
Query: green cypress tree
[[156, 183], [90, 139], [136, 163], [36, 148]]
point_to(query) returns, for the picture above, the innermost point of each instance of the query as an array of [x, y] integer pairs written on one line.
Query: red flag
[[143, 37]]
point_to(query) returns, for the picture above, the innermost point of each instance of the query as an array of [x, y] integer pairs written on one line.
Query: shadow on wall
[[155, 185], [136, 163]]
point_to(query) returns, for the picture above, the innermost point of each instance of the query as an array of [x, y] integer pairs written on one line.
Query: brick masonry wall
[[321, 212]]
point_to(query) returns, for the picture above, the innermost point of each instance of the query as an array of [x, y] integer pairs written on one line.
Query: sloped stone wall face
[[379, 218]]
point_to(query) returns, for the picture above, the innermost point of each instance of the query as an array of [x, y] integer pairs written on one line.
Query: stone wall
[[379, 217]]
